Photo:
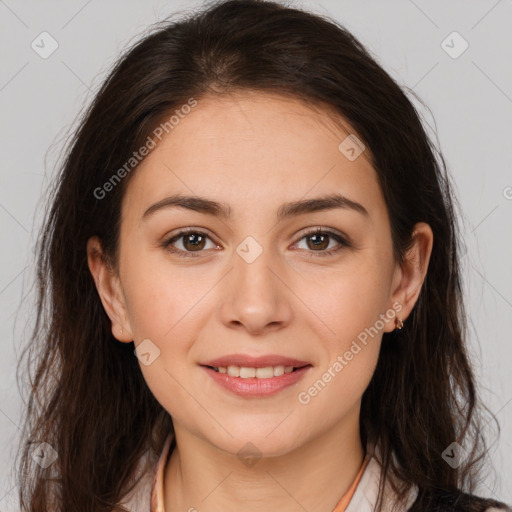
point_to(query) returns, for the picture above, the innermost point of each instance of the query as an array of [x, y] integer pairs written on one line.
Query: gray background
[[469, 100]]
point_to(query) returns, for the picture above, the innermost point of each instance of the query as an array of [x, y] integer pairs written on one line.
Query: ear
[[409, 277], [110, 291]]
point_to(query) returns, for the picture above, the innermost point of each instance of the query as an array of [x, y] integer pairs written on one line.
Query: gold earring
[[399, 324]]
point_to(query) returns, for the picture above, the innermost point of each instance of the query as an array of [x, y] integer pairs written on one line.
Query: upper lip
[[247, 361]]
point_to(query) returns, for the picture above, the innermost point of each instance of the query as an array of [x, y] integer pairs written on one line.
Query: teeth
[[263, 373], [234, 371], [246, 373], [260, 373]]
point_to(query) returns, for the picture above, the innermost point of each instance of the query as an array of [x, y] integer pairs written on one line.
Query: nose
[[256, 297]]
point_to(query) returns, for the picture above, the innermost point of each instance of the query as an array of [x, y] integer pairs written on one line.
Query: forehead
[[254, 147]]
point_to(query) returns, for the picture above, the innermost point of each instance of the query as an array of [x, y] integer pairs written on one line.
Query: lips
[[254, 387], [243, 360]]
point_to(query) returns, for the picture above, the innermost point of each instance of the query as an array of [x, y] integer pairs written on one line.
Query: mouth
[[256, 382], [266, 372]]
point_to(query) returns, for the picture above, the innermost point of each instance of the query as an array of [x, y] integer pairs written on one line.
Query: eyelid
[[320, 229]]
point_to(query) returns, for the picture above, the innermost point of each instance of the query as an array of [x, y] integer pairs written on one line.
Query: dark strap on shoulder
[[453, 500]]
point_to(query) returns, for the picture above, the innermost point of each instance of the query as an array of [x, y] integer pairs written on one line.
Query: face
[[305, 284]]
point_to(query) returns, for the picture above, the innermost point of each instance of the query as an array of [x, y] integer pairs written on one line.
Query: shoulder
[[454, 500]]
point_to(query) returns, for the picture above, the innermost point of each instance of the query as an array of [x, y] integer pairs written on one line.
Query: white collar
[[363, 500], [365, 496], [366, 493]]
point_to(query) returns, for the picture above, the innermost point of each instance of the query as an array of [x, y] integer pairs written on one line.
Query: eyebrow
[[286, 210]]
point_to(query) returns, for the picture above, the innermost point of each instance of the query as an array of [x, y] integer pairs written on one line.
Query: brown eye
[[191, 241], [318, 242], [194, 241]]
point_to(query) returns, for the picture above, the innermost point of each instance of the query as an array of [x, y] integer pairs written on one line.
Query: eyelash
[[342, 242]]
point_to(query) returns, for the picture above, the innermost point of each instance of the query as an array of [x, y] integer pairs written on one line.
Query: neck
[[313, 476]]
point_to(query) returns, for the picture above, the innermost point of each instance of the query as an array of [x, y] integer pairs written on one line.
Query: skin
[[255, 151]]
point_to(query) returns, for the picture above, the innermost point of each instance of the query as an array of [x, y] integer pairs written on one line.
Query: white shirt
[[363, 499]]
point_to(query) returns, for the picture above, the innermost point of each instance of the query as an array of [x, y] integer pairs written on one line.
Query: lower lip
[[253, 387]]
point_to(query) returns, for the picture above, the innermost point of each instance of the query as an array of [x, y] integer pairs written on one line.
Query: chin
[[258, 443]]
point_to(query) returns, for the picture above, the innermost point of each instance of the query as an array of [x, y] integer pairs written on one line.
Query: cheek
[[350, 307], [347, 300], [338, 389], [164, 309], [161, 297]]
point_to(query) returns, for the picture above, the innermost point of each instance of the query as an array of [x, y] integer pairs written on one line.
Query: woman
[[249, 291]]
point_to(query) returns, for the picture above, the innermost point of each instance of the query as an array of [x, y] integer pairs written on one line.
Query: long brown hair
[[88, 399]]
